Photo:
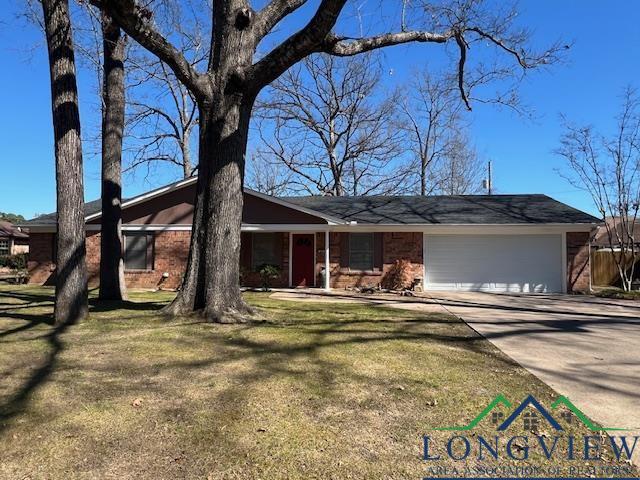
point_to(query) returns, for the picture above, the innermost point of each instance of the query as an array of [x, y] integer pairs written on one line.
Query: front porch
[[312, 258], [302, 258]]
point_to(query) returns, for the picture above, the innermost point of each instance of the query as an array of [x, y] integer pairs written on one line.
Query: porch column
[[327, 283]]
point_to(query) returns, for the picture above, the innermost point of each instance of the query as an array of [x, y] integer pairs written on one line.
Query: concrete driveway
[[585, 348]]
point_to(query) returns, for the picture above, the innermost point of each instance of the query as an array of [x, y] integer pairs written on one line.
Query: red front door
[[302, 268]]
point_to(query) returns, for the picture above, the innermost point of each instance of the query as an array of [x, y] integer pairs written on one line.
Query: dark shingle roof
[[7, 229], [454, 209], [50, 218], [445, 209]]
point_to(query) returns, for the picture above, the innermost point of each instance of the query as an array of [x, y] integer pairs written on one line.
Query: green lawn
[[326, 391]]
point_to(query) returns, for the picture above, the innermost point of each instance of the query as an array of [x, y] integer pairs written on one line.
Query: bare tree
[[322, 122], [161, 124], [226, 91], [163, 113], [608, 168], [161, 116], [460, 171], [112, 285], [444, 161], [431, 118], [270, 178], [71, 269], [101, 47]]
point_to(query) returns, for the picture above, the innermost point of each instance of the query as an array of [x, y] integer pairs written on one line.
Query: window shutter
[[245, 251], [150, 251], [344, 250], [277, 248], [377, 251]]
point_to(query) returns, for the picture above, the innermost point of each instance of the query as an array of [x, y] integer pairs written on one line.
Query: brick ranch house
[[13, 240], [514, 243]]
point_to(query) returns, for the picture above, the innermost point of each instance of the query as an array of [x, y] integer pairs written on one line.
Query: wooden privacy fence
[[604, 271]]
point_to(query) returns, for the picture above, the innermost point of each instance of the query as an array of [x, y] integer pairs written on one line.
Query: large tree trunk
[[211, 285], [112, 285], [190, 297], [71, 276], [227, 144]]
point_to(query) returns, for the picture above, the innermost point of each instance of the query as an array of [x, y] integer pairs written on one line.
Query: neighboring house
[[517, 243], [13, 240], [604, 266], [601, 237]]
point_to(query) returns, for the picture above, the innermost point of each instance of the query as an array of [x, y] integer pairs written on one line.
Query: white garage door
[[498, 263]]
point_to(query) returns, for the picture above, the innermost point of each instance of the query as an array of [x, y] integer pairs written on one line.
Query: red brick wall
[[93, 258], [578, 265], [170, 256], [41, 266], [171, 251], [395, 246]]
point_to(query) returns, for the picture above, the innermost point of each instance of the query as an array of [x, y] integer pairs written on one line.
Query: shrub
[[398, 276], [617, 294], [267, 273], [14, 262]]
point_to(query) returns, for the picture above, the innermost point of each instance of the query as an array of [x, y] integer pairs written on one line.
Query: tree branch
[[343, 47], [519, 56], [136, 22], [462, 45], [269, 16], [297, 46]]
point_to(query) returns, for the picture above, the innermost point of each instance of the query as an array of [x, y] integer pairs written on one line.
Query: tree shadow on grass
[[320, 369], [323, 359], [31, 322], [269, 357], [102, 306], [27, 296], [23, 311], [23, 306], [17, 403]]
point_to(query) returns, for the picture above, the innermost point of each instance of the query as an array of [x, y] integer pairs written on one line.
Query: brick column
[[578, 263]]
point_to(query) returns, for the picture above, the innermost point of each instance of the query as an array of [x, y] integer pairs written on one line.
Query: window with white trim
[[138, 251], [4, 247], [361, 251]]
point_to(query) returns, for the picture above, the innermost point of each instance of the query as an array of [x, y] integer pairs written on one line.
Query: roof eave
[[148, 196], [189, 181]]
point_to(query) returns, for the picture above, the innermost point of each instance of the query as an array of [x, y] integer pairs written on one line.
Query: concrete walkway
[[586, 348], [422, 304]]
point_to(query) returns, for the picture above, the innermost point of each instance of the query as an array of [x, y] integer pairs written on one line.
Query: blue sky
[[603, 60]]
